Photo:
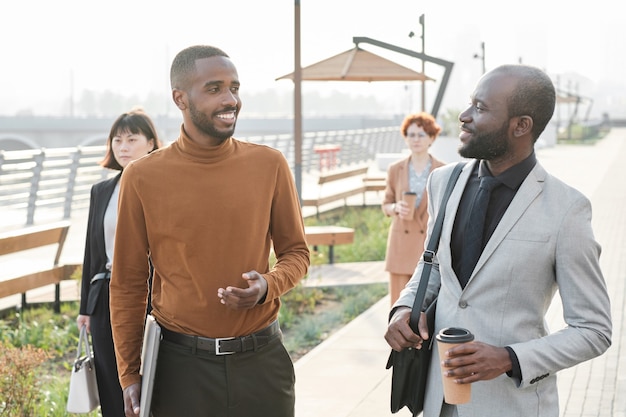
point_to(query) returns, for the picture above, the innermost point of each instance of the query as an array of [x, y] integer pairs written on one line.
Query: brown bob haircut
[[423, 120], [136, 122]]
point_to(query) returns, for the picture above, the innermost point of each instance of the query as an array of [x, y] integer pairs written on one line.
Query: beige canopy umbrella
[[358, 65], [353, 65]]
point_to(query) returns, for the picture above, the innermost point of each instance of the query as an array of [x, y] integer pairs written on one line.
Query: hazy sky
[[126, 46]]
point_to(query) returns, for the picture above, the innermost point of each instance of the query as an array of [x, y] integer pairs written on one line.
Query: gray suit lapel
[[528, 192]]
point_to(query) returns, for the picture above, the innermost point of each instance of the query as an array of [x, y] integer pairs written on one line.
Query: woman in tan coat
[[405, 242]]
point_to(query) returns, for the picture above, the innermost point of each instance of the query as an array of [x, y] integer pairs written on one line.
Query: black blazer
[[95, 258]]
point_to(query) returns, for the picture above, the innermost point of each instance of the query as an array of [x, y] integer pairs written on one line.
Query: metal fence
[[59, 180]]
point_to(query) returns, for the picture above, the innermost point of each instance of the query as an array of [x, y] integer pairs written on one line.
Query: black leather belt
[[224, 345], [99, 276]]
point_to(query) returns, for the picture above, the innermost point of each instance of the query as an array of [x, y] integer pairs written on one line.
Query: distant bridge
[[20, 133]]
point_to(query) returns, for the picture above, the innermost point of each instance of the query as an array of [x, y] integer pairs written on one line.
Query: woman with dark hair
[[132, 136], [405, 242]]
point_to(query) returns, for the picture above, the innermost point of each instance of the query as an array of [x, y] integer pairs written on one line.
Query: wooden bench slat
[[342, 174], [375, 187], [29, 282], [351, 188], [375, 184], [32, 237], [329, 235], [315, 202], [340, 195]]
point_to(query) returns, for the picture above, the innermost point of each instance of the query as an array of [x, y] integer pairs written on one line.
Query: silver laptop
[[149, 353]]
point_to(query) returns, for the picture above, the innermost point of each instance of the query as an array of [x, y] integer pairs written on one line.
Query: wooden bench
[[329, 236], [35, 237], [375, 183], [334, 177]]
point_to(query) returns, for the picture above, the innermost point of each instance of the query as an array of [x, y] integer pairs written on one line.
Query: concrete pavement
[[345, 376]]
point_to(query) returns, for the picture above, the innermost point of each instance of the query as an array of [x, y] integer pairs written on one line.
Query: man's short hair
[[534, 95], [185, 63]]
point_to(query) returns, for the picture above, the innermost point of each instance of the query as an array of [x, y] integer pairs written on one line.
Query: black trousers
[[109, 389], [251, 384]]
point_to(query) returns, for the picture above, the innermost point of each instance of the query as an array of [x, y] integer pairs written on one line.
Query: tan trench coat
[[405, 241]]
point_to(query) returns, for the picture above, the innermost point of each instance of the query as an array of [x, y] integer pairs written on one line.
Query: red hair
[[423, 120]]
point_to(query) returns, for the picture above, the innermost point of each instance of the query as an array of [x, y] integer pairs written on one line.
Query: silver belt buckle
[[218, 349]]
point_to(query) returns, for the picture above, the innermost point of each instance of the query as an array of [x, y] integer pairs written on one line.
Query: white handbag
[[83, 396]]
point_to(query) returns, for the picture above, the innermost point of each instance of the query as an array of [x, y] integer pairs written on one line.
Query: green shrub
[[37, 346], [339, 306], [19, 388], [42, 328], [371, 228]]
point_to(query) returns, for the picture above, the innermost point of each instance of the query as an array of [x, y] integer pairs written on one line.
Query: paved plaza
[[345, 376]]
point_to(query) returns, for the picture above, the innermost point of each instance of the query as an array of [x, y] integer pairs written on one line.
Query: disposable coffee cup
[[446, 339], [409, 197]]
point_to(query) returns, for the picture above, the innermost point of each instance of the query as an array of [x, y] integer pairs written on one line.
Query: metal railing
[[59, 179]]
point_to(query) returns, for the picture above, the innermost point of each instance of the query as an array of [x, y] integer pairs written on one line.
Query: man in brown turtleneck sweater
[[207, 209]]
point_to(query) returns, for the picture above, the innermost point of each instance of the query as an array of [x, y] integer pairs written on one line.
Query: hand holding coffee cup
[[409, 198], [446, 339]]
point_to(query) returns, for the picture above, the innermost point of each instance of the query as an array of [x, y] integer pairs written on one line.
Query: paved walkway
[[345, 376]]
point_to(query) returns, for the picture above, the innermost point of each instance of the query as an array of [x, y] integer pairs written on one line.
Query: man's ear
[[179, 97], [522, 125]]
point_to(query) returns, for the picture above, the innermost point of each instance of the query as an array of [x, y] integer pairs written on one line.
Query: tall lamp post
[[423, 62], [423, 38], [297, 105], [482, 55]]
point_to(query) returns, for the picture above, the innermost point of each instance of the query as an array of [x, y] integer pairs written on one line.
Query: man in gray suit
[[537, 242]]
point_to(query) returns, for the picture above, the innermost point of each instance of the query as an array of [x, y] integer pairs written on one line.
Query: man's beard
[[202, 122], [487, 146]]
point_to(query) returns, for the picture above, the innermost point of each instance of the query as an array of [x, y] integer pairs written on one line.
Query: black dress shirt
[[501, 197]]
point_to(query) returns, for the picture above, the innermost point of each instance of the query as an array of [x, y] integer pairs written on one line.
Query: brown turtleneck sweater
[[205, 216]]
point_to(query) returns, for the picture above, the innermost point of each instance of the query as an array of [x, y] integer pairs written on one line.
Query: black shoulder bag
[[410, 366]]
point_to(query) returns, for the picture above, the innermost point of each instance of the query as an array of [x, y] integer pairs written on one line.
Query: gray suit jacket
[[543, 245]]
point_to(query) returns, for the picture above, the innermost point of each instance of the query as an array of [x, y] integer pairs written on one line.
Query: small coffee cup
[[410, 197], [446, 339]]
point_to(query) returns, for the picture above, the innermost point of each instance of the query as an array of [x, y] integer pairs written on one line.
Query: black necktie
[[475, 227]]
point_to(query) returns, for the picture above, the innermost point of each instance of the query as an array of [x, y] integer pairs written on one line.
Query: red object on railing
[[327, 155]]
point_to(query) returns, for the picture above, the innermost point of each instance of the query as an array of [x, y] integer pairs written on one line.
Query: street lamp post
[[482, 56], [423, 62], [297, 105], [411, 34]]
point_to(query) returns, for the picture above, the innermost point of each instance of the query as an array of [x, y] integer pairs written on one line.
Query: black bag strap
[[431, 249]]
